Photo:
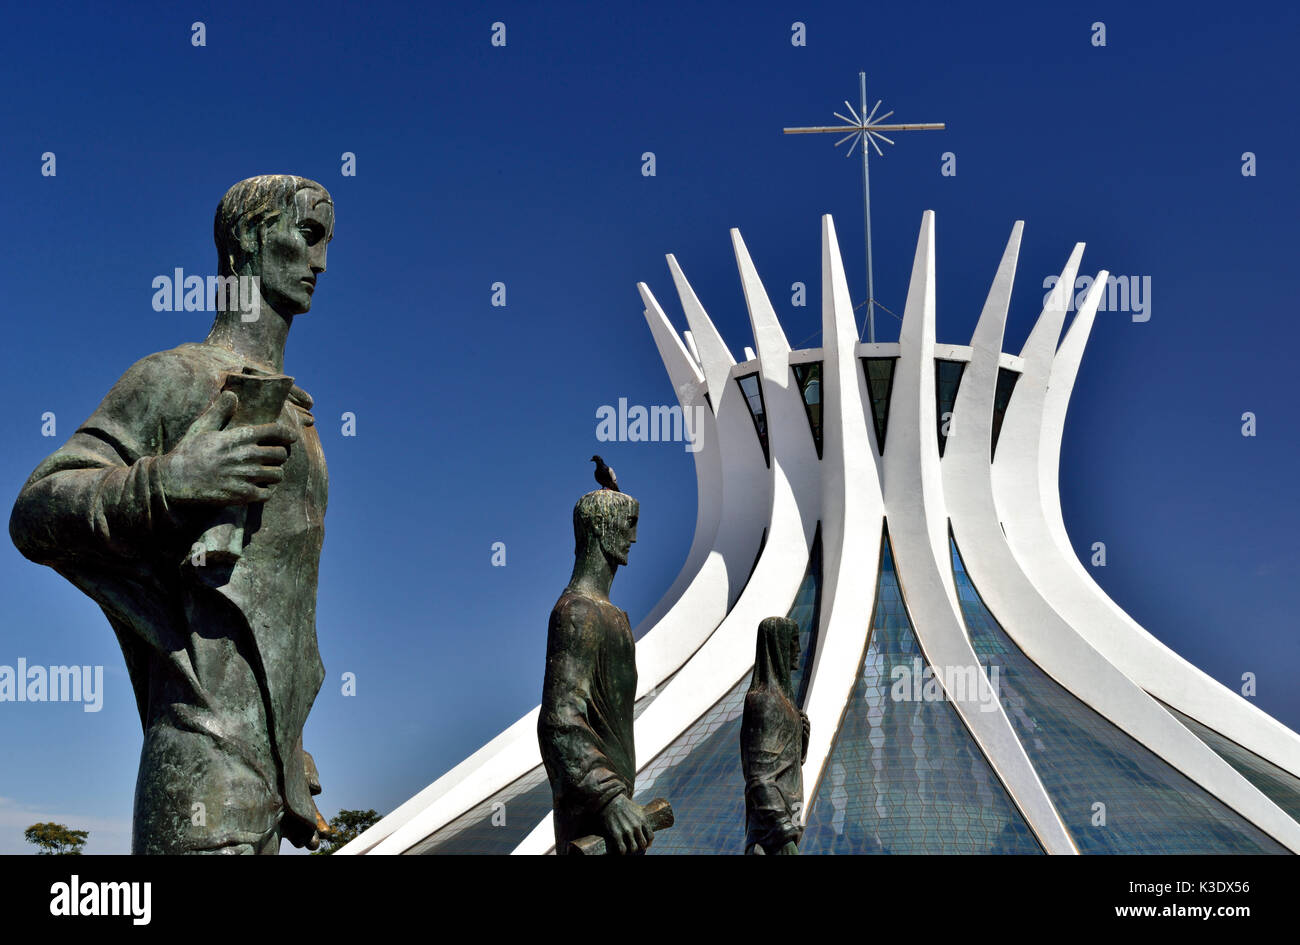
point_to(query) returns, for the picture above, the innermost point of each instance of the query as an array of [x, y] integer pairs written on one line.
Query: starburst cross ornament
[[864, 129]]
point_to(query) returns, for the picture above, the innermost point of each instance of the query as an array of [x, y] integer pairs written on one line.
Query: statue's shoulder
[[158, 396], [575, 608], [177, 365]]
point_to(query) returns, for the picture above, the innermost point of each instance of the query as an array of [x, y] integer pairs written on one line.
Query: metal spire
[[865, 128]]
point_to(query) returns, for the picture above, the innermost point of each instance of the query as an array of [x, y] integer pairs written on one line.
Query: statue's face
[[619, 538], [293, 252], [792, 639]]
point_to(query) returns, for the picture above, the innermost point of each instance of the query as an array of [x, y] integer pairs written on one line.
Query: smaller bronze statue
[[773, 744], [585, 726]]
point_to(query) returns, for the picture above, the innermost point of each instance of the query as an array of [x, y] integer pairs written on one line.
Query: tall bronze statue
[[773, 743], [585, 727], [190, 507]]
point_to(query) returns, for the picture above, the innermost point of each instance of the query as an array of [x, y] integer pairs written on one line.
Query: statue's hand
[[626, 829], [792, 833], [213, 466]]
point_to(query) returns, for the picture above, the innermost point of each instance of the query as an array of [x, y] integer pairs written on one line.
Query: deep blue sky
[[522, 164]]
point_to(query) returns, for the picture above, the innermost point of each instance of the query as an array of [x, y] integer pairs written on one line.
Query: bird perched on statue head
[[604, 475]]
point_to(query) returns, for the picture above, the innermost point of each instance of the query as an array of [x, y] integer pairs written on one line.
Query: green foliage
[[56, 839], [346, 826]]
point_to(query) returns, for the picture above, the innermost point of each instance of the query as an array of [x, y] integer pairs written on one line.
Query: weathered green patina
[[585, 726], [190, 507], [773, 743]]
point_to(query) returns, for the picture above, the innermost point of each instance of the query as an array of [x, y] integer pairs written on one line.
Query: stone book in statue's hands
[[261, 398]]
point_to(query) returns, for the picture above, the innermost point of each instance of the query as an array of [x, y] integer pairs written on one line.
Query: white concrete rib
[[1031, 622], [712, 587], [1046, 555], [918, 529], [852, 511], [746, 480]]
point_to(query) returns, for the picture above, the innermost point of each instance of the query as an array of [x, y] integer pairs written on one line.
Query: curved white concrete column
[[711, 587], [852, 512], [796, 478], [1030, 621], [918, 530], [465, 775], [1072, 591], [689, 384], [747, 479]]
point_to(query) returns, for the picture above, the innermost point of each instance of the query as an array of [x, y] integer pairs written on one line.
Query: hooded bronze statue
[[773, 743]]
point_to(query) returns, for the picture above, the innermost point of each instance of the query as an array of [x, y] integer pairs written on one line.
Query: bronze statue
[[773, 743], [585, 727], [190, 507]]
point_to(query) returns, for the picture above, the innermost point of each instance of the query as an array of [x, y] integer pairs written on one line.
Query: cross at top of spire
[[865, 128]]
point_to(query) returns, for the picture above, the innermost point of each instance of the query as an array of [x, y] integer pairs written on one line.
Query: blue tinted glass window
[[808, 377], [806, 612], [1278, 785], [1001, 397], [947, 378], [1085, 761], [880, 383], [753, 391], [904, 775], [523, 804]]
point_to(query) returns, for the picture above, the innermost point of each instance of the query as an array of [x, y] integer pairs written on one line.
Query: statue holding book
[[190, 506]]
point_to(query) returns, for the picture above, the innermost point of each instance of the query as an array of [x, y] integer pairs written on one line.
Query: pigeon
[[604, 475]]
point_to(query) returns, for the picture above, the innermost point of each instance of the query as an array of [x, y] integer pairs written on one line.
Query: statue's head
[[778, 653], [276, 227], [606, 520]]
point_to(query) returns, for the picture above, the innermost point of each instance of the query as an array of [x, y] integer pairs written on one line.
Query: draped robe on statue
[[773, 746], [585, 726], [223, 659]]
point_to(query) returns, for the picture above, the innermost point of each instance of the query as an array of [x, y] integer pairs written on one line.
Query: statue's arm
[[761, 759], [764, 801], [101, 492], [569, 743]]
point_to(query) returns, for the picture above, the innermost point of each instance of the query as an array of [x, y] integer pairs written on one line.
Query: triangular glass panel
[[1002, 396], [1082, 757], [808, 376], [753, 391], [880, 383], [947, 378], [904, 774], [1279, 785]]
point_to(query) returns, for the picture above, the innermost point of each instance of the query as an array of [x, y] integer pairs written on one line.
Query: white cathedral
[[970, 688]]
